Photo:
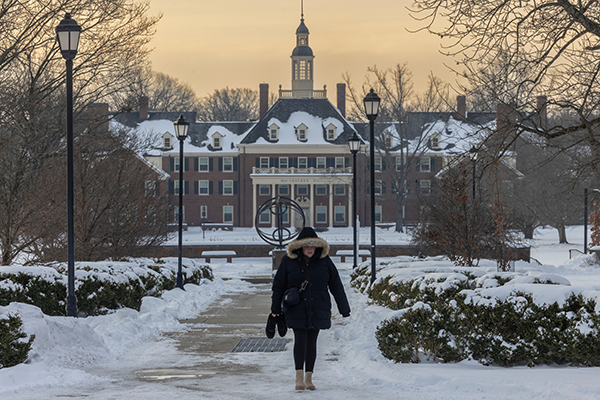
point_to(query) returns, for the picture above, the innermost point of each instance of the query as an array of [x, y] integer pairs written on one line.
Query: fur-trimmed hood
[[307, 242]]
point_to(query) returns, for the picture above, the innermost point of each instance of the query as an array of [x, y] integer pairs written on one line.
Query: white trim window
[[377, 213], [339, 189], [330, 132], [321, 214], [340, 162], [228, 188], [424, 164], [227, 164], [264, 162], [203, 164], [303, 162], [302, 189], [321, 162], [228, 214], [339, 214], [321, 189], [284, 190], [203, 188], [264, 189], [273, 132], [302, 132], [283, 162], [378, 163], [265, 217]]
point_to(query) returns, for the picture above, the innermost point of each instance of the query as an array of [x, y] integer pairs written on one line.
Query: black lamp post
[[354, 144], [181, 130], [371, 102], [473, 155], [67, 34]]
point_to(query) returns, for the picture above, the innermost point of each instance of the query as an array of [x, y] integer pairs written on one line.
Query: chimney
[[144, 100], [542, 110], [263, 99], [98, 114], [461, 106], [341, 98], [506, 120]]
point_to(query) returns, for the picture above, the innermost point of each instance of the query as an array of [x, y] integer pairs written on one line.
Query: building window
[[176, 213], [302, 162], [285, 218], [377, 163], [176, 187], [284, 190], [377, 213], [399, 163], [203, 187], [227, 164], [176, 164], [339, 189], [203, 164], [340, 162], [378, 187], [435, 142], [302, 134], [273, 132], [150, 188], [167, 143], [264, 190], [264, 162], [203, 212], [321, 162], [283, 162], [339, 214], [265, 216], [424, 165], [330, 134], [425, 187], [302, 190], [388, 141], [321, 190], [216, 142], [227, 187], [321, 213], [228, 214]]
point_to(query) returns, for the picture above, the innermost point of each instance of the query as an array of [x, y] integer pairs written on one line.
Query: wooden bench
[[350, 253], [228, 254]]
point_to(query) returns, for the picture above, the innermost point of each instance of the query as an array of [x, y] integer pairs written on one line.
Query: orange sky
[[212, 44]]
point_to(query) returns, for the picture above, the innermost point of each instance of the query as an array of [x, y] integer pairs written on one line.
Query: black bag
[[291, 297]]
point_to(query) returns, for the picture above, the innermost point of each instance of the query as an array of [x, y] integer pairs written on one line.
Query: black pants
[[305, 348]]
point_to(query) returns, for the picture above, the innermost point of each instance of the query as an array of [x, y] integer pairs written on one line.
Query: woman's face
[[308, 251]]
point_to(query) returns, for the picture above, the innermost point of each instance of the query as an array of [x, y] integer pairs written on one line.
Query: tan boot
[[300, 379], [308, 381]]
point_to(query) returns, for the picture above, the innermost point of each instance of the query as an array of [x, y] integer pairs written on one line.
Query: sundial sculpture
[[280, 236]]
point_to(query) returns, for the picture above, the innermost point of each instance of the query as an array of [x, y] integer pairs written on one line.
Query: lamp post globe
[[354, 145], [67, 35], [181, 130], [371, 103]]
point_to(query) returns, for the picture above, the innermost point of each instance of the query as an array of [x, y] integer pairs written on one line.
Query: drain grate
[[259, 345]]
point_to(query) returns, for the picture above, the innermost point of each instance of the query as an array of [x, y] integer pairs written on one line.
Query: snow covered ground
[[92, 357]]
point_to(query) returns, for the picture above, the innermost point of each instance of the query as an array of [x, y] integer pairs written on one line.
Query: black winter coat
[[314, 309]]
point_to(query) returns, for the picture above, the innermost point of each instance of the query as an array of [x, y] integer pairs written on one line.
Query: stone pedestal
[[277, 255]]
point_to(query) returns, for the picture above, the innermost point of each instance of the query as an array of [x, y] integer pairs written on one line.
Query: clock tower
[[302, 63]]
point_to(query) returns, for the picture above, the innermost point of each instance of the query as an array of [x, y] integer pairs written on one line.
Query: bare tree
[[547, 47], [238, 104], [397, 135], [32, 124], [164, 93]]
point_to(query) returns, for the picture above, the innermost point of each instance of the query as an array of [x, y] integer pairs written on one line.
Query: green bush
[[13, 350], [95, 296]]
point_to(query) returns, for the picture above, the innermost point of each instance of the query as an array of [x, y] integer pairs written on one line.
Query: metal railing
[[302, 171], [310, 94]]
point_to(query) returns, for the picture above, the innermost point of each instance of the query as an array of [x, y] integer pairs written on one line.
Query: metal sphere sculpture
[[278, 207]]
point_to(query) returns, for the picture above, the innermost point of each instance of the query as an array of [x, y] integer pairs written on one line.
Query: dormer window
[[301, 132], [217, 141], [435, 142], [273, 132], [388, 141], [330, 132], [167, 141]]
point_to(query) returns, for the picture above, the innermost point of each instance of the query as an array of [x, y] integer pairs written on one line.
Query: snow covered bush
[[13, 350], [456, 315], [99, 286]]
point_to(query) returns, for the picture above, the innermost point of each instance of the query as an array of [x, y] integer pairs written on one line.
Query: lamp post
[[371, 102], [67, 34], [181, 130], [354, 144], [473, 155]]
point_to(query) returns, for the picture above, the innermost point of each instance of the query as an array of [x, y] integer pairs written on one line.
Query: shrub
[[13, 350]]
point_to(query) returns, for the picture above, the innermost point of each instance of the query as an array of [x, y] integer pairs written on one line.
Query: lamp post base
[[72, 306]]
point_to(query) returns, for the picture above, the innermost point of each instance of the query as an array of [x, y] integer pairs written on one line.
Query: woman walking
[[308, 268]]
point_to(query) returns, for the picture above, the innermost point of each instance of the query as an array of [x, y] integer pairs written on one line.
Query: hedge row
[[447, 325], [97, 293]]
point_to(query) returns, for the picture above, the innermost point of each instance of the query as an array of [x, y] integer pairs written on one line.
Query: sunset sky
[[212, 44]]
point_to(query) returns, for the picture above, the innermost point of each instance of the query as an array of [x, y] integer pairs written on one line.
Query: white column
[[331, 205], [311, 210], [253, 204], [350, 217]]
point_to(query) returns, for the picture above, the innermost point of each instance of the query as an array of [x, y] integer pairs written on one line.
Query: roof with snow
[[288, 114]]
